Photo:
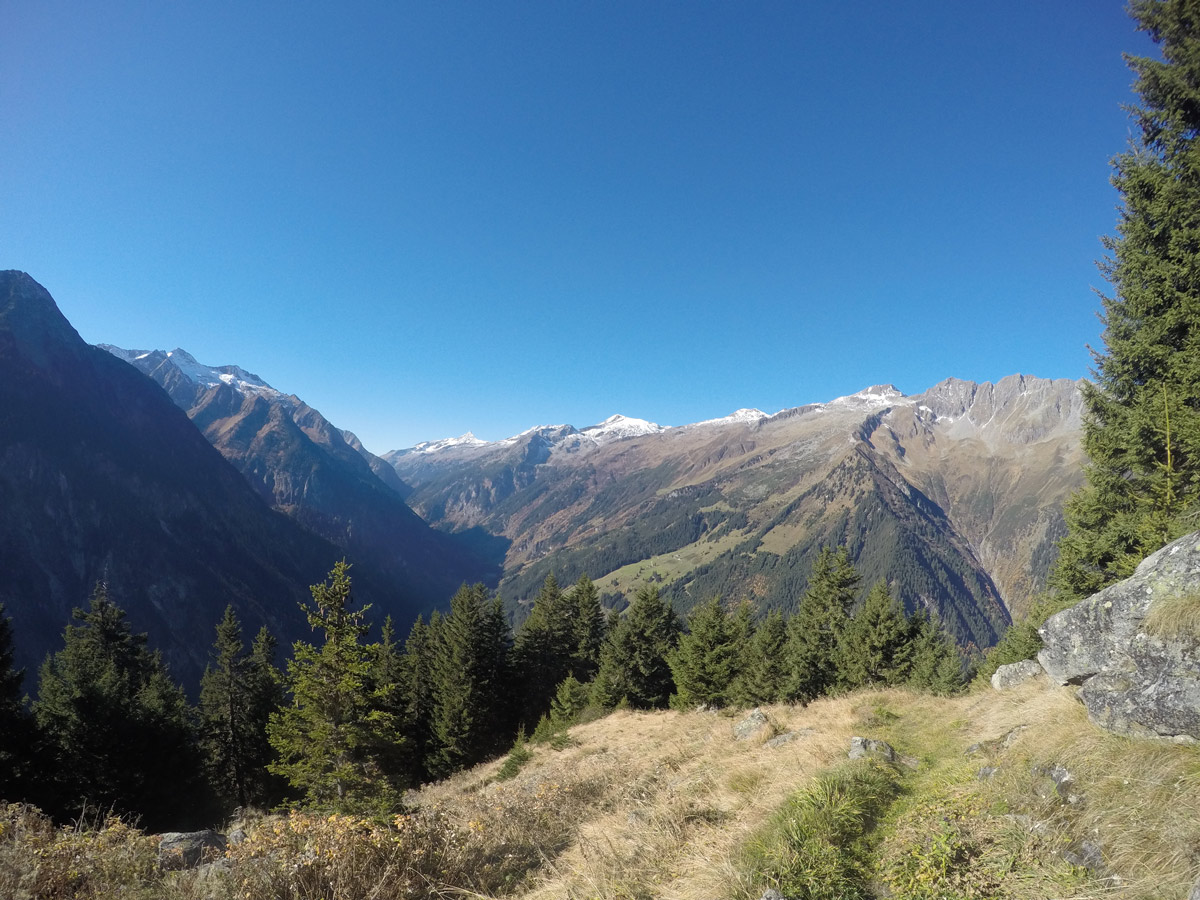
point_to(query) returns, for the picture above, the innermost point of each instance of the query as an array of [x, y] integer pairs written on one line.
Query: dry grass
[[669, 805], [1174, 615]]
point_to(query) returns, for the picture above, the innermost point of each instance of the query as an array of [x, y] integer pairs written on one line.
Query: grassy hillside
[[1005, 795]]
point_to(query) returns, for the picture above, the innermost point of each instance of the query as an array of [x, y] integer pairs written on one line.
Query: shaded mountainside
[[103, 477], [953, 495], [318, 475]]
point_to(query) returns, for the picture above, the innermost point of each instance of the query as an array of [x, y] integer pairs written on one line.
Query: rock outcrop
[[1134, 680], [1013, 674]]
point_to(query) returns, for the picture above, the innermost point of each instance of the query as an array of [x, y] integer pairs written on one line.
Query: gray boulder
[[755, 723], [1011, 675], [188, 849], [1132, 682], [861, 747]]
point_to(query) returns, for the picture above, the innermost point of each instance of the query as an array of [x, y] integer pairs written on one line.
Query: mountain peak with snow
[[739, 416], [617, 427], [197, 372], [875, 397]]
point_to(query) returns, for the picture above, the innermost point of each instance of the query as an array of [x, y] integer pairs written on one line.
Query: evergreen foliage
[[416, 691], [545, 649], [334, 739], [16, 724], [815, 631], [116, 727], [705, 661], [238, 692], [470, 687], [633, 663], [764, 664], [935, 664], [588, 625], [570, 700], [875, 641], [1142, 421]]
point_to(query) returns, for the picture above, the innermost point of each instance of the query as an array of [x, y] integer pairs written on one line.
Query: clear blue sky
[[425, 218]]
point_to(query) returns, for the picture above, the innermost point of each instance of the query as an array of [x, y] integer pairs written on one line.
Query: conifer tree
[[1142, 414], [469, 681], [875, 641], [16, 723], [633, 663], [815, 631], [765, 665], [117, 727], [388, 687], [934, 663], [588, 624], [416, 688], [545, 648], [571, 699], [332, 738], [705, 661]]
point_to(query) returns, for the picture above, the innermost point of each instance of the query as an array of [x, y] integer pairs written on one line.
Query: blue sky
[[424, 218]]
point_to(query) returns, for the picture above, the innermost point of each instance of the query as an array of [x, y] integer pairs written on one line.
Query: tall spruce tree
[[544, 649], [815, 630], [117, 727], [16, 723], [588, 624], [333, 739], [765, 665], [1142, 418], [238, 693], [633, 663], [706, 659], [934, 663], [416, 686], [875, 641], [469, 675]]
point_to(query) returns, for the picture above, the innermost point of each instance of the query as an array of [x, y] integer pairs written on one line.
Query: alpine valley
[[239, 493], [953, 495]]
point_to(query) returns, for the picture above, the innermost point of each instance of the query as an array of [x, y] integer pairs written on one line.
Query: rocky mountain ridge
[[103, 478], [317, 474], [955, 494]]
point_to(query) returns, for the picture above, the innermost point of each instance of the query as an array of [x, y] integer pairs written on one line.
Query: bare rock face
[[1013, 674], [1133, 681]]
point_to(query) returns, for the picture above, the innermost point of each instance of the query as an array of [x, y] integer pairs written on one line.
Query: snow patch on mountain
[[874, 397], [738, 417], [618, 427], [463, 440], [207, 376]]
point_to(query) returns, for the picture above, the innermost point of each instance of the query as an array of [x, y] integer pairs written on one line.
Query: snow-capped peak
[[741, 416], [463, 440], [616, 427], [207, 376], [876, 396]]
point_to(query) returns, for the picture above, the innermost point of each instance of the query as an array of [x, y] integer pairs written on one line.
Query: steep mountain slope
[[103, 477], [318, 475], [953, 495]]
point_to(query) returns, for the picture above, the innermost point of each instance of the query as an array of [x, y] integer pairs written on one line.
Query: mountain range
[[103, 478], [186, 486], [953, 495]]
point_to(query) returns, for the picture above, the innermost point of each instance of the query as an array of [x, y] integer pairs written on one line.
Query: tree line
[[352, 723]]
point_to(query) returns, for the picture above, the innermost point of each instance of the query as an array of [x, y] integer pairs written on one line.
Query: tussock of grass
[[1174, 615], [816, 846]]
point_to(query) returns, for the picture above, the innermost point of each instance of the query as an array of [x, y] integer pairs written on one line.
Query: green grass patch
[[818, 845]]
